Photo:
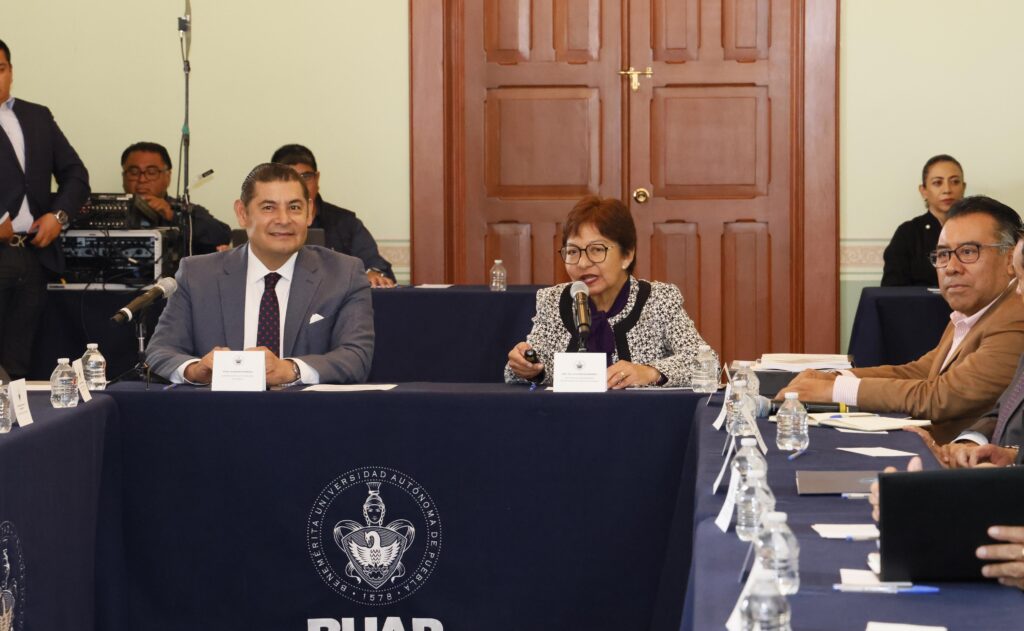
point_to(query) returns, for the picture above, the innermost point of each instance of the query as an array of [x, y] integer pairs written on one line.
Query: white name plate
[[239, 371], [18, 391], [581, 372]]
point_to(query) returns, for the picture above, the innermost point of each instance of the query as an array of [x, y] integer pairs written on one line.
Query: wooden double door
[[725, 150]]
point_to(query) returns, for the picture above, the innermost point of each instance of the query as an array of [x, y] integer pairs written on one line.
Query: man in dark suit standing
[[32, 150], [343, 231], [307, 308]]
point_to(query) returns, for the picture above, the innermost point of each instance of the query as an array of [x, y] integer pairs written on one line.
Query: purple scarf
[[602, 338]]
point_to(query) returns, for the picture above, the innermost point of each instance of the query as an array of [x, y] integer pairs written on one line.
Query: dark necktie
[[1006, 408], [268, 331]]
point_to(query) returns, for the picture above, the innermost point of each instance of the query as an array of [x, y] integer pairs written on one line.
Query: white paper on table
[[725, 515], [239, 371], [580, 372], [866, 422], [849, 576], [725, 465], [846, 531], [19, 401], [877, 452], [859, 431], [895, 626], [83, 385], [354, 387], [38, 386], [875, 562], [433, 286], [720, 420]]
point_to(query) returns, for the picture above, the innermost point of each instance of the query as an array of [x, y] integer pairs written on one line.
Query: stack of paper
[[795, 362], [863, 421]]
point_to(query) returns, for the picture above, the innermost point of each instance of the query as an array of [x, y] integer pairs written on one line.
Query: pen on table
[[886, 589], [860, 538], [169, 386], [856, 496], [795, 454], [853, 415]]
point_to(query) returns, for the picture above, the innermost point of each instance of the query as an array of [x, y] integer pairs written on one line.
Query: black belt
[[18, 240]]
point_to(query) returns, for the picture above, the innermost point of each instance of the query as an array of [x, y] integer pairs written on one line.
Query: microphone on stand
[[581, 309], [164, 287], [185, 27]]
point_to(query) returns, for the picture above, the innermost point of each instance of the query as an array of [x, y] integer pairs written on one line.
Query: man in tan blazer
[[961, 378]]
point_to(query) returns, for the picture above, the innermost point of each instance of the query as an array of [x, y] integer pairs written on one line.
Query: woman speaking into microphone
[[641, 326]]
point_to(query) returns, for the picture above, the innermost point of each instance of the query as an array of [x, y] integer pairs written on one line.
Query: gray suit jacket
[[1014, 432], [209, 310]]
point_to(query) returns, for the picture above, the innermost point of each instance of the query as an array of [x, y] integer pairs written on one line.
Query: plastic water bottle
[[748, 459], [764, 608], [94, 365], [778, 550], [499, 277], [752, 502], [746, 372], [705, 375], [739, 418], [6, 410], [791, 428], [63, 385]]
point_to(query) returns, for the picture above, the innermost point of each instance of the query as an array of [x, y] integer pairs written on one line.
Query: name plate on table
[[581, 372], [239, 371]]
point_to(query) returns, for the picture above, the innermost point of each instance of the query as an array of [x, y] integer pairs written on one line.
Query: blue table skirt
[[49, 488], [557, 511], [896, 325], [458, 334], [717, 557]]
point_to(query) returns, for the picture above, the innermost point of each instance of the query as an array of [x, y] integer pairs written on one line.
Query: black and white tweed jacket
[[652, 329]]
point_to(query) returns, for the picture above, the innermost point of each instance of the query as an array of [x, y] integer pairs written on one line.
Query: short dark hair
[[1007, 220], [932, 161], [148, 147], [611, 218], [7, 51], [294, 154], [270, 172]]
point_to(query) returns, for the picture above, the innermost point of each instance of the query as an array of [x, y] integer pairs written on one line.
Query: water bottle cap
[[792, 396], [744, 363], [774, 516], [747, 442], [497, 261], [92, 346], [63, 360]]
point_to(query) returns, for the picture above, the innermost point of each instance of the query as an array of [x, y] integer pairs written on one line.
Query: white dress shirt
[[11, 126], [255, 282], [846, 386]]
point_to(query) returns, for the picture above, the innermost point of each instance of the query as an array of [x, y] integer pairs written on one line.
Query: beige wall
[[331, 74]]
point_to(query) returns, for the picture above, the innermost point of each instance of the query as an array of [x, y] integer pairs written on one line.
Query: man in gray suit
[[307, 308]]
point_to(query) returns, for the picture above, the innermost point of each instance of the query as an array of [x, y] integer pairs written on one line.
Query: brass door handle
[[641, 195], [634, 76]]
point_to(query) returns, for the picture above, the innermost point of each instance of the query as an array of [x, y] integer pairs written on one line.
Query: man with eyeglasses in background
[[960, 379], [343, 231], [146, 174], [33, 150]]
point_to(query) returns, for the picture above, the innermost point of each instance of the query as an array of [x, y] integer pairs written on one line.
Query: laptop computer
[[933, 521]]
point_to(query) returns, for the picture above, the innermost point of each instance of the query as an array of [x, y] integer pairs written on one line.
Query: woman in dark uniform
[[906, 257]]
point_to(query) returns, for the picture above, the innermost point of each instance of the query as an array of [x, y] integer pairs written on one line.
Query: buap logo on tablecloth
[[389, 553], [12, 580]]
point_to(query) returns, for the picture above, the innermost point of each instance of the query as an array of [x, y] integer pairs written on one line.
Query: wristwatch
[[62, 217], [296, 371]]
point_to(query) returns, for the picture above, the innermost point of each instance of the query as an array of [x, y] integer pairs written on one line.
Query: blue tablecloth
[[717, 557], [458, 334], [49, 485], [553, 511], [896, 325]]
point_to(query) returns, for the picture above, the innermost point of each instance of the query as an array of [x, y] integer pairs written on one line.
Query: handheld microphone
[[767, 407], [163, 288], [580, 292]]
